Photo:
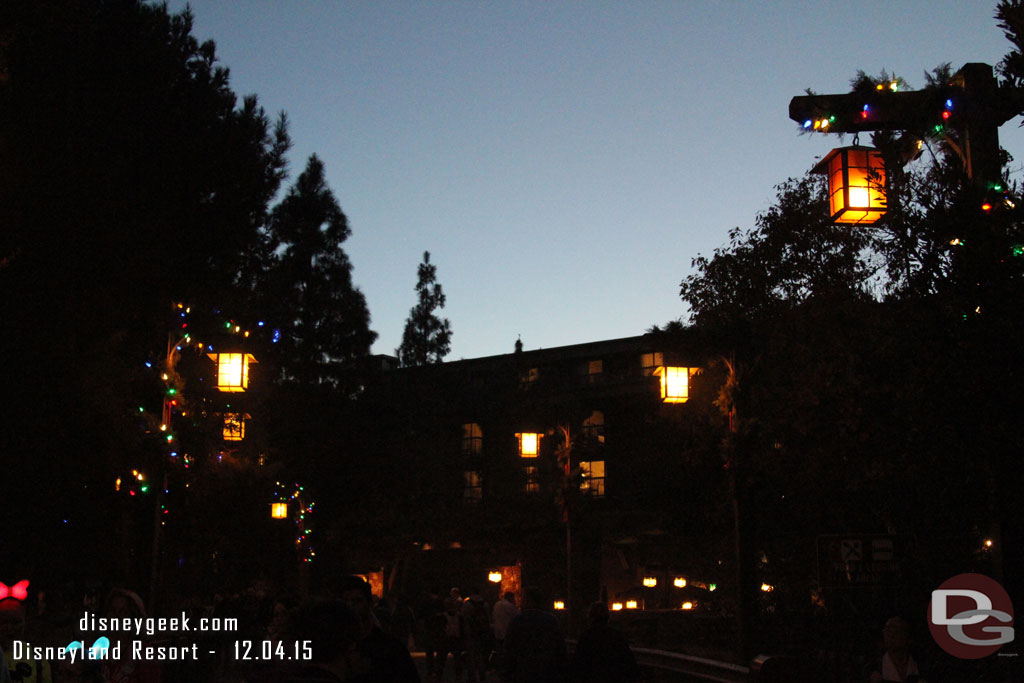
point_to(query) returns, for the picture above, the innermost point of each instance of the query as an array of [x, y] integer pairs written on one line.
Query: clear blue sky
[[563, 161]]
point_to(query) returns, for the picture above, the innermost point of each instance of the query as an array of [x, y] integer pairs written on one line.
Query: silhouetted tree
[[877, 392], [130, 178], [323, 319], [427, 338]]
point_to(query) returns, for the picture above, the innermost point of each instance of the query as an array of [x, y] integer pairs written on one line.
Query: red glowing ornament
[[18, 591]]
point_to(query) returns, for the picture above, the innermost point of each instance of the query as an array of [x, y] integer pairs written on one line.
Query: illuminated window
[[593, 427], [234, 426], [593, 478], [232, 370], [595, 368], [650, 362], [528, 377], [472, 439], [529, 444], [473, 489], [532, 479], [675, 383]]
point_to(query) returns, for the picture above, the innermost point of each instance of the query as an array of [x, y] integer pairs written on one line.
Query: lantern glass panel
[[675, 384], [528, 444], [234, 427], [232, 370], [856, 184]]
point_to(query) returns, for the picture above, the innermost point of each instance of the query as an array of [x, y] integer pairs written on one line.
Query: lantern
[[234, 426], [494, 577], [279, 510], [559, 604], [529, 443], [675, 383], [679, 582], [650, 581], [232, 370], [856, 184]]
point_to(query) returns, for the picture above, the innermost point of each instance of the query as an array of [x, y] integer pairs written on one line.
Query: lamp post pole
[[976, 105], [566, 509], [165, 417]]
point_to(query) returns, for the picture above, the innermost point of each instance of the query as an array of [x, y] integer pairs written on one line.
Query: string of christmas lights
[[299, 508]]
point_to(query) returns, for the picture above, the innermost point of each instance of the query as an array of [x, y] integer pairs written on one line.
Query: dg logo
[[970, 616]]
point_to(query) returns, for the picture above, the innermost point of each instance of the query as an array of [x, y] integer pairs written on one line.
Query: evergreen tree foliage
[[322, 317], [427, 338], [875, 377], [131, 177]]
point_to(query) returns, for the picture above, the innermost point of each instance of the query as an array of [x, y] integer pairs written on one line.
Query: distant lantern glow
[[279, 510], [529, 443], [559, 604], [856, 184], [687, 605], [679, 582], [616, 606], [675, 383], [234, 427], [232, 370], [494, 577], [767, 587], [631, 604], [650, 581]]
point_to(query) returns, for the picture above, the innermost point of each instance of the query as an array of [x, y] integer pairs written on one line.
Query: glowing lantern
[[559, 604], [650, 581], [529, 443], [232, 370], [616, 606], [687, 605], [234, 427], [631, 604], [279, 510], [767, 587], [856, 184], [494, 577], [675, 383], [679, 582]]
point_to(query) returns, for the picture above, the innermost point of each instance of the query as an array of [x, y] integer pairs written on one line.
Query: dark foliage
[[131, 178], [426, 338], [307, 288]]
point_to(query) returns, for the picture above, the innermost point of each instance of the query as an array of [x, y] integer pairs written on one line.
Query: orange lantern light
[[529, 444], [675, 383], [856, 184], [232, 370]]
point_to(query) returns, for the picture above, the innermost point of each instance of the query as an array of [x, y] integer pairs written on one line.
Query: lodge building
[[591, 470]]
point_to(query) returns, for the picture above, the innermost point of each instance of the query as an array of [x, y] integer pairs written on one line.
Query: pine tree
[[132, 177], [427, 338], [322, 316]]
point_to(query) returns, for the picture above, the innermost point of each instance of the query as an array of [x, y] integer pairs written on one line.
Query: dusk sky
[[563, 162]]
